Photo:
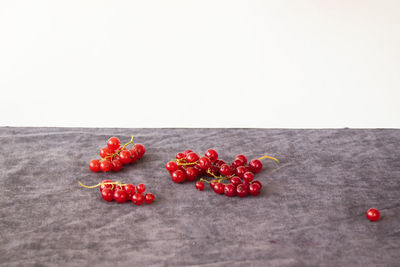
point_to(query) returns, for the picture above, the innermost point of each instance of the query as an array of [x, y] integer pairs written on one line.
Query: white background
[[200, 63]]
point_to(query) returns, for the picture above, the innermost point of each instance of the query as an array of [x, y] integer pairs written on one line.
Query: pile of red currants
[[123, 192], [189, 166], [115, 155]]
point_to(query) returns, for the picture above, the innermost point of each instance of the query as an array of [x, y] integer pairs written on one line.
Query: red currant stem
[[219, 178], [268, 157], [178, 161], [122, 148], [204, 180], [99, 184]]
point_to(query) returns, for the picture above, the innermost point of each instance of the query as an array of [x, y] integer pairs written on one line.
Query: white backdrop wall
[[200, 63]]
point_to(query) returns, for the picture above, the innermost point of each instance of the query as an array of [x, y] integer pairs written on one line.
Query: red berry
[[191, 174], [94, 165], [242, 190], [199, 169], [106, 184], [134, 155], [255, 165], [257, 182], [373, 215], [171, 166], [225, 170], [116, 165], [254, 189], [219, 162], [212, 170], [230, 190], [113, 143], [178, 176], [187, 152], [192, 157], [140, 150], [125, 156], [107, 194], [141, 188], [180, 155], [212, 184], [242, 157], [137, 199], [235, 180], [219, 188], [105, 152], [105, 166], [248, 177], [200, 186], [204, 163], [237, 162], [120, 195], [212, 155], [130, 190], [149, 198], [239, 171]]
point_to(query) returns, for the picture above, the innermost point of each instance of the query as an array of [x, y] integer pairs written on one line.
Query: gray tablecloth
[[311, 211]]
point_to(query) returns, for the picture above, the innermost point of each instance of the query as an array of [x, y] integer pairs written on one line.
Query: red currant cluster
[[114, 156], [189, 166], [122, 192]]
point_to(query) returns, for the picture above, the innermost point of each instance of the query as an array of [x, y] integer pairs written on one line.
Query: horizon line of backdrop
[[182, 63]]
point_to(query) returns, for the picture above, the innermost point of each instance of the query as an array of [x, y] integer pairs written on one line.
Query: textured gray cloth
[[311, 211]]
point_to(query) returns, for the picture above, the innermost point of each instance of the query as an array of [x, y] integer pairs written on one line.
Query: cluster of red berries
[[189, 166], [123, 192], [115, 155]]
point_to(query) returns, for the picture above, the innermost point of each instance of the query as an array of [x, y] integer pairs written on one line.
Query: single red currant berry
[[191, 174], [254, 189], [239, 171], [211, 154], [137, 199], [106, 184], [125, 156], [171, 166], [237, 162], [200, 186], [257, 182], [134, 155], [141, 188], [105, 166], [94, 165], [230, 190], [116, 165], [105, 152], [204, 163], [192, 157], [178, 176], [212, 184], [199, 169], [255, 165], [242, 157], [187, 152], [219, 188], [107, 194], [242, 190], [213, 170], [113, 143], [235, 180], [225, 170], [180, 155], [120, 195], [140, 150], [248, 177], [149, 198], [219, 162], [373, 215], [129, 189]]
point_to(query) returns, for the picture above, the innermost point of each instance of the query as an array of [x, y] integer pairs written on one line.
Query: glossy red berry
[[254, 189], [178, 176], [134, 155], [219, 188], [204, 163], [225, 170], [191, 173], [200, 186], [149, 198], [94, 165], [120, 195], [199, 169], [248, 177], [211, 154], [125, 156], [130, 190], [242, 158], [116, 165], [212, 183], [239, 171], [235, 180], [230, 190], [187, 152], [105, 152], [105, 166], [237, 162], [137, 199], [113, 143], [107, 194], [140, 149], [141, 188], [106, 184], [219, 162], [213, 170], [257, 182], [171, 166], [255, 165], [192, 157], [373, 214], [180, 155], [242, 190]]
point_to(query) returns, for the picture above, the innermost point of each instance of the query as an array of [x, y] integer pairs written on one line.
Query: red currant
[[242, 190], [239, 171], [125, 156], [178, 176], [254, 189], [242, 157], [200, 186], [107, 194], [187, 152], [199, 169], [192, 157], [105, 166], [105, 152], [237, 162], [141, 188], [204, 163], [94, 165], [219, 188], [235, 180], [149, 198], [106, 184], [225, 170], [257, 182], [171, 166], [212, 155], [212, 184], [213, 170], [255, 165], [134, 155], [140, 150], [113, 143], [180, 155], [230, 190], [219, 162], [191, 174], [248, 177], [137, 199], [116, 165], [120, 195], [130, 190], [373, 215]]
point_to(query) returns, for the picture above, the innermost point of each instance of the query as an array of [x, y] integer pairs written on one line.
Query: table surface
[[311, 211]]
